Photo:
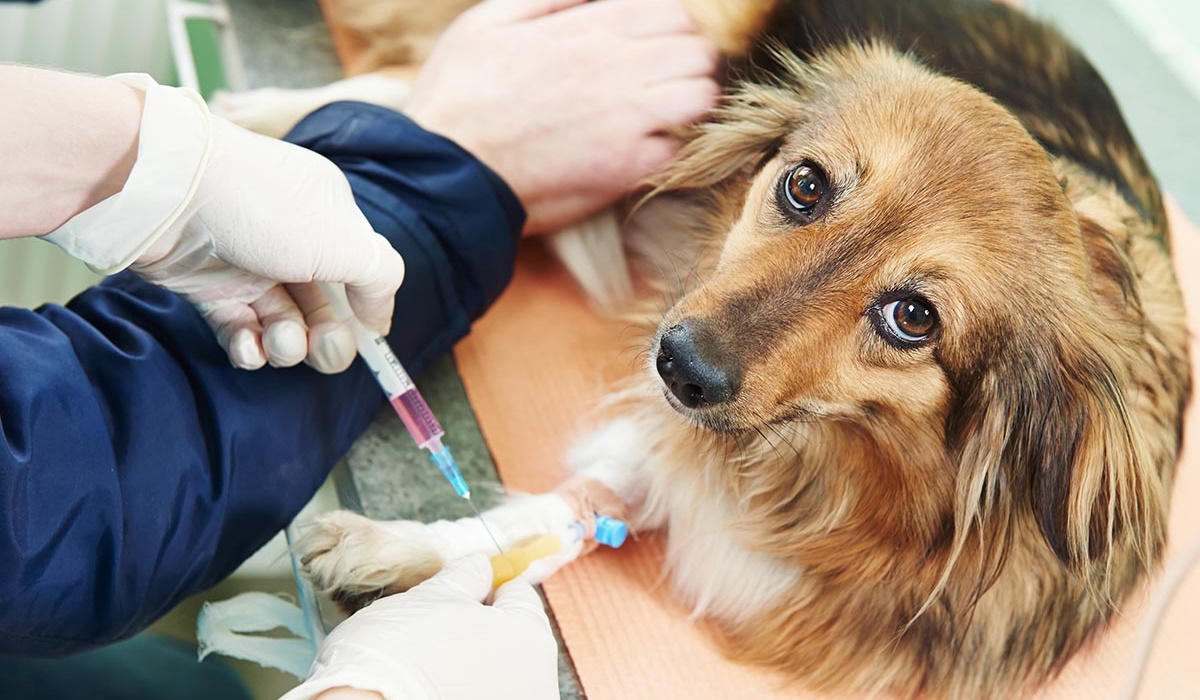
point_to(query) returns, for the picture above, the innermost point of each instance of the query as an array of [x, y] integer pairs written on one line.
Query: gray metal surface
[[284, 43]]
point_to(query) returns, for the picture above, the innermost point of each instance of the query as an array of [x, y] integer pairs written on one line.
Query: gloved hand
[[242, 226], [438, 642]]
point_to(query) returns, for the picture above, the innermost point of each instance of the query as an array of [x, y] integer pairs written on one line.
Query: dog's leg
[[357, 559], [615, 456], [274, 111]]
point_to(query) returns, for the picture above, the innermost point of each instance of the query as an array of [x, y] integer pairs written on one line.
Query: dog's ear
[[1047, 426], [746, 129], [1091, 480]]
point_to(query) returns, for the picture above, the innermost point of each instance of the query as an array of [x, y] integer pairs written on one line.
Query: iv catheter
[[403, 395], [506, 566]]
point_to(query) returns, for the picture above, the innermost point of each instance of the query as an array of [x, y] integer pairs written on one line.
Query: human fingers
[[338, 246], [331, 346], [643, 18], [467, 578], [677, 102], [506, 11], [554, 214], [285, 335], [372, 291], [518, 597], [238, 331], [653, 153], [674, 57]]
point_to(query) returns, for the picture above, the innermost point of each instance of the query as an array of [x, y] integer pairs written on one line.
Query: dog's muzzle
[[694, 367]]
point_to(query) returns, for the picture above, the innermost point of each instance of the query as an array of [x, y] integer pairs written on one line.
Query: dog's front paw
[[357, 560]]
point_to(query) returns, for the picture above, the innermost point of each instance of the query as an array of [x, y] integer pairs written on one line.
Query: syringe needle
[[485, 525], [404, 397]]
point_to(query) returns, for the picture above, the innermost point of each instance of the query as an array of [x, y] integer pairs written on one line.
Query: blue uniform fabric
[[137, 466]]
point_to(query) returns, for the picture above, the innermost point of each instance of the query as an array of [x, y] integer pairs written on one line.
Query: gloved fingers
[[245, 348], [467, 578], [238, 331], [373, 297], [285, 335], [518, 597], [331, 346]]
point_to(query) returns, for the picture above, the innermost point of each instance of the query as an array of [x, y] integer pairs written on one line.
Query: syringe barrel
[[408, 403], [417, 417], [372, 347], [383, 363]]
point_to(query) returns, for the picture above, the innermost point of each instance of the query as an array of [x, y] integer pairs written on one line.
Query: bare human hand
[[568, 101]]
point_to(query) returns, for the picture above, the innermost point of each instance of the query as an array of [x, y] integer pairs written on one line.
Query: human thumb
[[371, 271], [469, 578], [518, 597]]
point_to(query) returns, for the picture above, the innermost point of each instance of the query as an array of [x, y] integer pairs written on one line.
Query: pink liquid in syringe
[[417, 417]]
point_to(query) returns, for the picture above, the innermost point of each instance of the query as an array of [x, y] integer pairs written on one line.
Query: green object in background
[[205, 40]]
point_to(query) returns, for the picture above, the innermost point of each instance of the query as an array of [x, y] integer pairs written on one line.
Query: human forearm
[[67, 142]]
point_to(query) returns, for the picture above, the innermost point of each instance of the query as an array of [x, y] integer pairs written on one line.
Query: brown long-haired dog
[[912, 420]]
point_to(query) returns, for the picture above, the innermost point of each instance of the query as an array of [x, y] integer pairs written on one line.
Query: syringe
[[403, 395]]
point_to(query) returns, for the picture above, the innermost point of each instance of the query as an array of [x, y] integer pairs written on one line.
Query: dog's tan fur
[[968, 513], [394, 33], [399, 33]]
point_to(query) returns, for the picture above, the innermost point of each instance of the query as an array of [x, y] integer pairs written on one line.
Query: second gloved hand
[[438, 642]]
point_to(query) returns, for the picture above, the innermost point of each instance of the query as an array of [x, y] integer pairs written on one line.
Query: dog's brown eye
[[907, 322], [803, 188]]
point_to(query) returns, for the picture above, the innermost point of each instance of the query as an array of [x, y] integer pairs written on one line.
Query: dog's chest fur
[[711, 570]]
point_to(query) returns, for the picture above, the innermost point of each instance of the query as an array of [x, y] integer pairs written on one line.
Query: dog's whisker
[[763, 435], [775, 429]]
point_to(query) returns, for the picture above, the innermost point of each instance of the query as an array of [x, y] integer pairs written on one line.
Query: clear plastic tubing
[[401, 393]]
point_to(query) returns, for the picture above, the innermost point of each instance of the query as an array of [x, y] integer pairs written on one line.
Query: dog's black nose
[[691, 365]]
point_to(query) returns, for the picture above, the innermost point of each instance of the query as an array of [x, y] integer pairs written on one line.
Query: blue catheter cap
[[610, 531]]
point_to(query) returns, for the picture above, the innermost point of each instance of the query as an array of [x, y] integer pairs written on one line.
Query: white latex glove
[[438, 642], [242, 226]]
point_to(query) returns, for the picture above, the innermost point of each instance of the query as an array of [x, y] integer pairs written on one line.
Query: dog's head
[[903, 270]]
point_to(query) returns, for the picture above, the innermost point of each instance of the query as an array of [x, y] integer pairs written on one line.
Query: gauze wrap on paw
[[224, 627], [173, 146]]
